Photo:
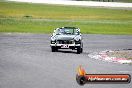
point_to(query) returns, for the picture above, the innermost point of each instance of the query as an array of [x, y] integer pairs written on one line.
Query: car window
[[67, 31]]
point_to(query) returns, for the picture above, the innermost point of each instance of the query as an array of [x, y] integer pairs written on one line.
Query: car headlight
[[53, 38], [77, 38]]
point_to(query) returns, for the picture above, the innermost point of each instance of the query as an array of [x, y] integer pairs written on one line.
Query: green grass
[[47, 26], [123, 0], [42, 18]]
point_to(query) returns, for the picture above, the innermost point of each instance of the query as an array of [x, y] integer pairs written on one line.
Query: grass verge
[[42, 18]]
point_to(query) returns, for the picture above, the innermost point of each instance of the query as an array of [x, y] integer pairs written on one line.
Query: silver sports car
[[67, 38]]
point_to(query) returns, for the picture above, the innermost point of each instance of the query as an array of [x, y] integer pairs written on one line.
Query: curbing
[[104, 57]]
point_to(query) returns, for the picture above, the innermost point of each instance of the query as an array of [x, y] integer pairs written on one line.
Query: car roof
[[69, 27]]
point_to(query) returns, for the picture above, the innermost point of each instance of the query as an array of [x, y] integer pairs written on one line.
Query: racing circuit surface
[[26, 61]]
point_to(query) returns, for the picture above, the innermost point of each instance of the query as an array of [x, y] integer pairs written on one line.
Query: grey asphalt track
[[26, 61]]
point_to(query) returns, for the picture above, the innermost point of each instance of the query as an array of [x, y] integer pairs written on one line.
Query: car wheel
[[78, 50], [81, 50], [53, 49], [56, 49]]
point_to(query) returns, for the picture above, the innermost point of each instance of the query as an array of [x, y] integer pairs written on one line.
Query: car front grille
[[65, 41]]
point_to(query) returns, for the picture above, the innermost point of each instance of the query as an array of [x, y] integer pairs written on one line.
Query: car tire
[[56, 49], [81, 48], [78, 50], [53, 49]]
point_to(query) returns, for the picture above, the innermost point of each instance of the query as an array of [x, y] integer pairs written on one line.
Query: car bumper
[[69, 45]]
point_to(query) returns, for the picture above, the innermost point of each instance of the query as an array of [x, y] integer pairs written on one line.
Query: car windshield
[[66, 31]]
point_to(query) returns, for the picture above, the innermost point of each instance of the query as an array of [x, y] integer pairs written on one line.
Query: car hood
[[65, 37]]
